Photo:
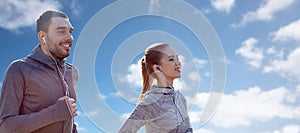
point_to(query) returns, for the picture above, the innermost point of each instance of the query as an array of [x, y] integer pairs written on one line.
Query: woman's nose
[[177, 62]]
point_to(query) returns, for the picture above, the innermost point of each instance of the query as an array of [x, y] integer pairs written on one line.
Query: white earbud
[[43, 38]]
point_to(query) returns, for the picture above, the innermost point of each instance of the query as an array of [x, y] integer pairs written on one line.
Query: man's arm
[[11, 101]]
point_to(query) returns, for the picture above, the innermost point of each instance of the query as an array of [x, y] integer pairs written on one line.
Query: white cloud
[[125, 115], [134, 76], [74, 6], [93, 113], [252, 54], [180, 85], [201, 130], [291, 129], [272, 50], [286, 67], [288, 32], [80, 128], [265, 12], [223, 5], [194, 76], [16, 14], [244, 107], [101, 96], [200, 62], [153, 6], [294, 128]]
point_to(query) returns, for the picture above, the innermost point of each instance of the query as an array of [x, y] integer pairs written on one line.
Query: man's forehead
[[60, 22]]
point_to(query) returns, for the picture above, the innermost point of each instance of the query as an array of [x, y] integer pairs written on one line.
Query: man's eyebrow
[[62, 27]]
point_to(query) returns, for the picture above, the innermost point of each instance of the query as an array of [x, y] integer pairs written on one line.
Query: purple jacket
[[28, 101]]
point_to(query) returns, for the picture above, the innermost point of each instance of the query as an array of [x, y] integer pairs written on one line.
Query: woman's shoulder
[[154, 94]]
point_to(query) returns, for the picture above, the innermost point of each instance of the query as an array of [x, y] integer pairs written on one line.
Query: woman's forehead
[[169, 52]]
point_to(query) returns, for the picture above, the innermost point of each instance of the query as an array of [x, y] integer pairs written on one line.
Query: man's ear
[[41, 37]]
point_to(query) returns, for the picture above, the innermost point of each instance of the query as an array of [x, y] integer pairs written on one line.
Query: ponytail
[[145, 77]]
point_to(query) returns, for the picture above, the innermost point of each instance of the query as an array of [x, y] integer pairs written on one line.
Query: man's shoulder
[[18, 63]]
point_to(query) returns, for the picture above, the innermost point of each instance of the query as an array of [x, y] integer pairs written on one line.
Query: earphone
[[157, 68], [43, 38]]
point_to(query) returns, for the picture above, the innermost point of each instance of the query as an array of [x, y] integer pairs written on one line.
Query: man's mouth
[[66, 45]]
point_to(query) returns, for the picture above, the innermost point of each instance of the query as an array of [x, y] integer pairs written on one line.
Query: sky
[[239, 58]]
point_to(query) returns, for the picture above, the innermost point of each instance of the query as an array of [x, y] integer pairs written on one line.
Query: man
[[38, 93]]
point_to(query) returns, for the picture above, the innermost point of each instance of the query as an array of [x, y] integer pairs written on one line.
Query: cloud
[[293, 128], [125, 115], [286, 67], [74, 6], [265, 12], [134, 76], [80, 128], [244, 107], [101, 96], [252, 54], [194, 76], [288, 32], [200, 62], [223, 5], [272, 50], [93, 113], [16, 14], [1, 84], [203, 131], [154, 5]]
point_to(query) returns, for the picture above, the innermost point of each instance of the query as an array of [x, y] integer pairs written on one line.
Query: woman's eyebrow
[[172, 56]]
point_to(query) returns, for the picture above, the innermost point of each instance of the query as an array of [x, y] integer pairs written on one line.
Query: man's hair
[[42, 23]]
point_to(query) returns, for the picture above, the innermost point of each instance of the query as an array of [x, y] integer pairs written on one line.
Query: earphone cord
[[64, 82], [62, 75]]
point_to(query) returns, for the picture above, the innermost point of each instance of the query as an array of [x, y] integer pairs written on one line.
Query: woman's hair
[[153, 55]]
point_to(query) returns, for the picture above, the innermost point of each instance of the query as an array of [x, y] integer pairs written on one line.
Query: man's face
[[59, 37]]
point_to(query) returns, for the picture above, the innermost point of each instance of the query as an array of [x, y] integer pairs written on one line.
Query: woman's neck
[[170, 82]]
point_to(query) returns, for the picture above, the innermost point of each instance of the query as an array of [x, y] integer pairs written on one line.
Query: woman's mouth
[[178, 69]]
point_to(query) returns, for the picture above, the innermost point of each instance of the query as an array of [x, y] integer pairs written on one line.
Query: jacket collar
[[160, 90], [38, 55]]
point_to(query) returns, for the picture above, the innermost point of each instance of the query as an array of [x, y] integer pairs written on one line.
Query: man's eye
[[171, 59], [61, 31]]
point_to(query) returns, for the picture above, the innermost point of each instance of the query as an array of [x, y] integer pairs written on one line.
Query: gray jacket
[[161, 110], [29, 96]]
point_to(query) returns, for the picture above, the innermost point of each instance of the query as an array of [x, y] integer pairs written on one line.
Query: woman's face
[[170, 64]]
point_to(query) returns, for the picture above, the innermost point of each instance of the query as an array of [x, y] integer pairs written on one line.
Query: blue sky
[[259, 41]]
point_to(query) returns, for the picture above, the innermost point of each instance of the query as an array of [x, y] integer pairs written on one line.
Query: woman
[[160, 108]]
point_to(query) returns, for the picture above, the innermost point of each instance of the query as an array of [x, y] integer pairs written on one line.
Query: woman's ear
[[156, 67]]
